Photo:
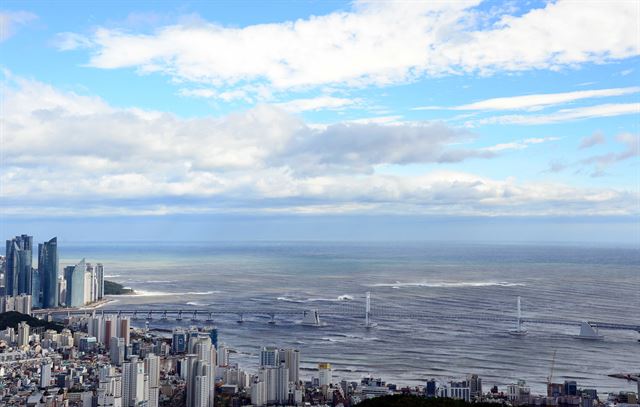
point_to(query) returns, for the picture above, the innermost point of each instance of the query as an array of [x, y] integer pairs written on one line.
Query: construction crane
[[550, 377]]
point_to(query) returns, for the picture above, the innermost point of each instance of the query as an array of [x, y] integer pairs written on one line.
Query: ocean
[[435, 279]]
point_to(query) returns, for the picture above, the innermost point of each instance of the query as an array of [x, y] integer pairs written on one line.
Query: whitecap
[[144, 293], [449, 284]]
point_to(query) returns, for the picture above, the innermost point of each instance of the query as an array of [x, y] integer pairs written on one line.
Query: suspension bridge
[[365, 310]]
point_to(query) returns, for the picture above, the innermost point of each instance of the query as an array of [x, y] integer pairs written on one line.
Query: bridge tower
[[367, 311]]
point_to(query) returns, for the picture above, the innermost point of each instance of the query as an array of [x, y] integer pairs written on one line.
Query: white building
[[519, 393], [152, 368], [458, 391], [133, 383], [291, 358], [258, 393], [45, 374], [325, 374]]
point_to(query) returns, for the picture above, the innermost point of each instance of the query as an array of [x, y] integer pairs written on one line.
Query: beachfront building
[[48, 273]]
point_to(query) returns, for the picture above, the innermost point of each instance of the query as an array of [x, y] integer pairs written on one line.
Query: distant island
[[11, 319], [112, 288]]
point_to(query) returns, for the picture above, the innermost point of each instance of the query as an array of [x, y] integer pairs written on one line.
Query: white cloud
[[68, 41], [317, 103], [10, 21], [78, 152], [537, 102], [564, 115], [519, 145], [377, 43]]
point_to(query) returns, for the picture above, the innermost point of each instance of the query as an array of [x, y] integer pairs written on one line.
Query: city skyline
[[456, 120]]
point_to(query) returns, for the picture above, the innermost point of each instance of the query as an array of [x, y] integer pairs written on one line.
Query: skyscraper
[[74, 276], [99, 273], [152, 369], [200, 376], [18, 270], [291, 358], [48, 271], [133, 383]]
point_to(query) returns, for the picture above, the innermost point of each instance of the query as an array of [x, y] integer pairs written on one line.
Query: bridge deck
[[350, 311]]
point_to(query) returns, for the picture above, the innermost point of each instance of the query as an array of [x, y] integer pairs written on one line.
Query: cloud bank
[[375, 43], [68, 154]]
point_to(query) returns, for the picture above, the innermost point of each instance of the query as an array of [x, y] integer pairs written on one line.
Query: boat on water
[[519, 329], [588, 333], [311, 318]]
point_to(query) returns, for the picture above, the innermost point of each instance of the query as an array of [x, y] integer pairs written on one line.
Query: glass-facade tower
[[48, 270], [18, 270]]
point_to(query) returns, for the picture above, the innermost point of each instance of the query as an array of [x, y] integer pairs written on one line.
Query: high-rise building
[[124, 329], [459, 391], [179, 341], [269, 356], [223, 355], [36, 290], [201, 373], [109, 331], [109, 392], [48, 272], [62, 291], [282, 384], [213, 333], [152, 370], [258, 393], [291, 358], [45, 374], [75, 278], [475, 385], [133, 383], [99, 273], [23, 334], [570, 388], [20, 303], [116, 350], [18, 270], [325, 374]]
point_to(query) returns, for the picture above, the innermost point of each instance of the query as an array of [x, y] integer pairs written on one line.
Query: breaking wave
[[445, 284], [340, 298], [143, 293]]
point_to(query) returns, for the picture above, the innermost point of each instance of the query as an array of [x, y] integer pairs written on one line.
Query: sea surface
[[435, 280]]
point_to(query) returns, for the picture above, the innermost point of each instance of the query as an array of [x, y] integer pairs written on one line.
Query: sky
[[321, 120]]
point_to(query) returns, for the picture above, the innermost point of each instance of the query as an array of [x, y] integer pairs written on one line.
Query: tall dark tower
[[48, 270], [18, 271]]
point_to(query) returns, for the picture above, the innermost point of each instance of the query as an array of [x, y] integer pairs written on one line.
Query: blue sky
[[303, 114]]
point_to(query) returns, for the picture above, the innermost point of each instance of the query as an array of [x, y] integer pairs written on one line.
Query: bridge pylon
[[367, 312]]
